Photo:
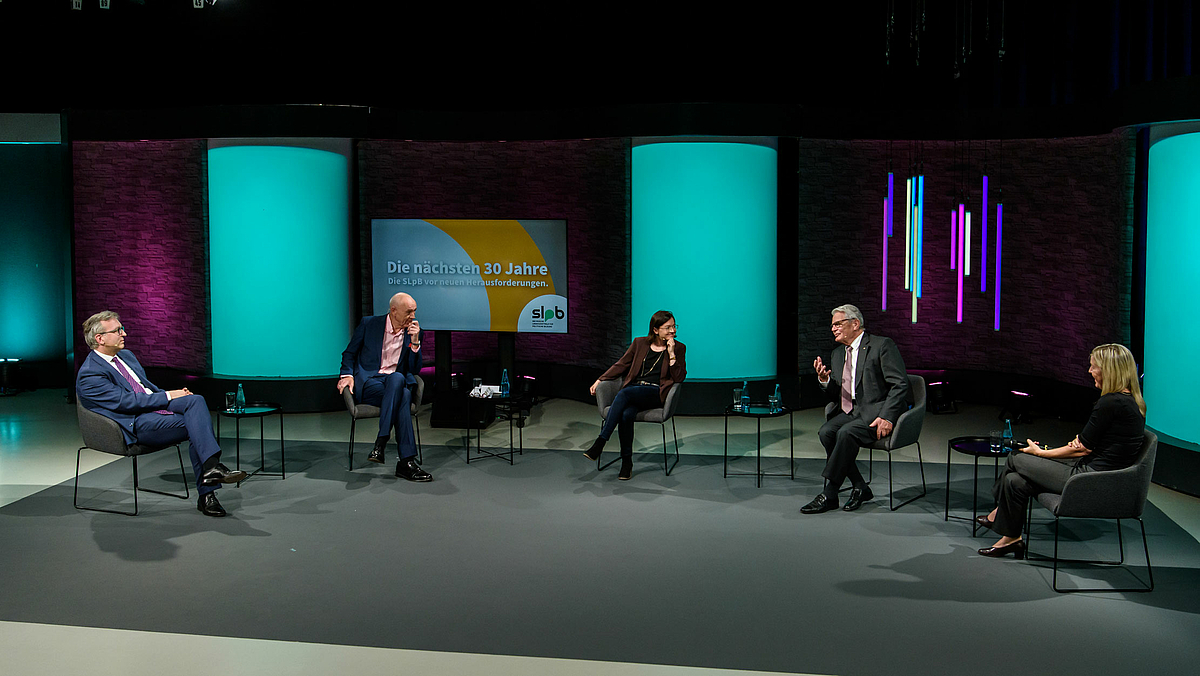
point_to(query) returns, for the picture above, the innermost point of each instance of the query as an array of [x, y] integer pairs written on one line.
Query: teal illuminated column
[[704, 247], [279, 259], [1172, 286]]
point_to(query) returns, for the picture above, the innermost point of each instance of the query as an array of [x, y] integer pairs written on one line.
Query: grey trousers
[[1023, 477]]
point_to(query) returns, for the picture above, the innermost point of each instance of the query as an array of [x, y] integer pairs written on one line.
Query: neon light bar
[[961, 249], [886, 209], [953, 239], [916, 253], [918, 275], [890, 201], [962, 223], [983, 240], [996, 277], [914, 307], [967, 248], [907, 233]]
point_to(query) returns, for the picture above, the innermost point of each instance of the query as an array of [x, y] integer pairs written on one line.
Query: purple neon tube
[[953, 239], [996, 277], [983, 241]]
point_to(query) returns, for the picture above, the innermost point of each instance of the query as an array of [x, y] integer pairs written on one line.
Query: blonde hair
[[1118, 372]]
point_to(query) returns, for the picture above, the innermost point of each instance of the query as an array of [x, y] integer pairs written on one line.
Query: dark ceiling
[[834, 68]]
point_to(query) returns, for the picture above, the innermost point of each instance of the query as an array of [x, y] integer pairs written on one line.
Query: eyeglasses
[[119, 329], [840, 322], [672, 327]]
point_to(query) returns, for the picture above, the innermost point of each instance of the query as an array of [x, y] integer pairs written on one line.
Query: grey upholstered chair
[[361, 411], [906, 432], [606, 392], [101, 433], [1110, 494]]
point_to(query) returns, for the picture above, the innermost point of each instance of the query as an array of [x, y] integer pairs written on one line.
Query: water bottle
[[504, 383], [240, 406], [775, 399], [1008, 434], [745, 395]]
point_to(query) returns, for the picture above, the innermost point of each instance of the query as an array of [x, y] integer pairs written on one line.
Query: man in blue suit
[[112, 383], [380, 366]]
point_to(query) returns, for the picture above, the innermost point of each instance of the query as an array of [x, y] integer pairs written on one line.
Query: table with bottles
[[507, 404], [259, 410], [742, 407], [995, 447]]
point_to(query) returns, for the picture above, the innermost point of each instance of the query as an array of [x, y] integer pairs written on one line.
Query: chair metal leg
[[78, 455], [136, 487], [1149, 586], [417, 427], [187, 493], [610, 463], [675, 436], [924, 489], [350, 450]]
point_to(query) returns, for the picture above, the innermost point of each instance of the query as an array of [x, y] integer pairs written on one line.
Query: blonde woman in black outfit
[[1110, 440]]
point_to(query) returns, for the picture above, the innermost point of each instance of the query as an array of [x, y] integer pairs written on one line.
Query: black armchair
[[361, 411], [103, 434], [606, 392], [906, 432], [1110, 494]]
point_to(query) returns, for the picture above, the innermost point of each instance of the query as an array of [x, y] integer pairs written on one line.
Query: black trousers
[[1023, 477], [842, 436]]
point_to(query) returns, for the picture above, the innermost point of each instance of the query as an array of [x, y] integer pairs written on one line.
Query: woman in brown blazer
[[649, 368]]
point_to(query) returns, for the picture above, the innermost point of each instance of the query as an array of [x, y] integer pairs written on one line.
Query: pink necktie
[[133, 383], [848, 381]]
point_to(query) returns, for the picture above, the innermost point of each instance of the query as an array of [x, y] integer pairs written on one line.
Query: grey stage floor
[[548, 558]]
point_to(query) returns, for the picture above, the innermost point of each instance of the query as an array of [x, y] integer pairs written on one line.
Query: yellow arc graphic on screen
[[501, 244]]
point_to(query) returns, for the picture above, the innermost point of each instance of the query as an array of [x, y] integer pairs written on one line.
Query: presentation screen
[[474, 275]]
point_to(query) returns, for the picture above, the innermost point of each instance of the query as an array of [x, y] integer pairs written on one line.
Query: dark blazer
[[880, 383], [102, 389], [629, 363], [361, 357]]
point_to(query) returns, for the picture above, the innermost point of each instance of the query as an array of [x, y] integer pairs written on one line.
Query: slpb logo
[[544, 314]]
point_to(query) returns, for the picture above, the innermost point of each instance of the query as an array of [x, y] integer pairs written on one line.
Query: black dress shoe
[[857, 496], [819, 504], [1017, 548], [984, 521], [209, 506], [626, 472], [376, 454], [408, 468], [220, 474]]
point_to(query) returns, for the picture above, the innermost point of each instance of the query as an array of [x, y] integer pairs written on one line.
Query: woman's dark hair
[[658, 319]]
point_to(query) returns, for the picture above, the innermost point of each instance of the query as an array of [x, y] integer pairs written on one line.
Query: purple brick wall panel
[[585, 182], [141, 246], [1066, 260], [141, 242]]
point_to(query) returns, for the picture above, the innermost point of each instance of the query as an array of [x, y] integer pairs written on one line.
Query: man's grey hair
[[851, 312], [91, 326]]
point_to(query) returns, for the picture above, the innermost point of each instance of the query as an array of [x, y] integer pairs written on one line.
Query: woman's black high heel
[[593, 453], [984, 521], [1017, 548]]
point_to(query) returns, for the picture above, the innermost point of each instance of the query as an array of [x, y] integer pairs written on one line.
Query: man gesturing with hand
[[866, 378]]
